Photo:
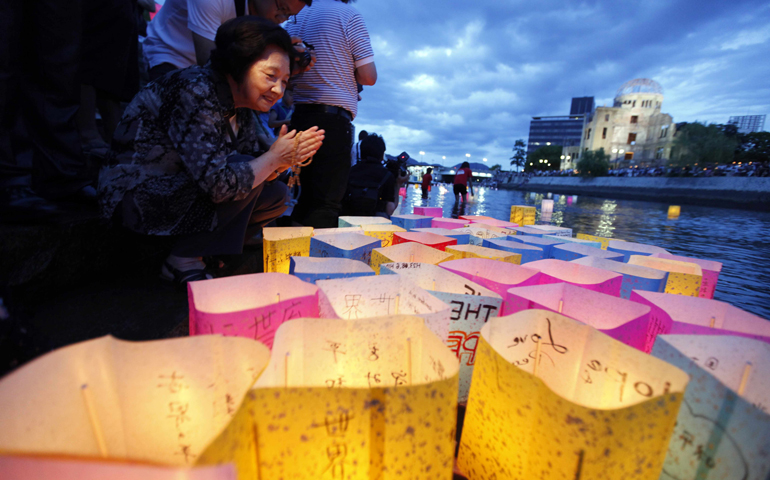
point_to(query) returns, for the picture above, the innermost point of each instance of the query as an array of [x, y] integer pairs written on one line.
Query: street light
[[484, 159], [422, 156], [468, 155]]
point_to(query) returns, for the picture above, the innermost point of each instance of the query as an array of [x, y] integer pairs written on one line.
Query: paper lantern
[[279, 244], [475, 218], [528, 231], [493, 222], [476, 234], [496, 276], [684, 278], [160, 402], [545, 243], [472, 306], [411, 221], [313, 269], [710, 269], [429, 211], [577, 241], [635, 277], [555, 231], [632, 248], [546, 206], [361, 221], [45, 468], [349, 400], [354, 246], [462, 238], [475, 251], [553, 398], [502, 230], [528, 253], [605, 242], [625, 321], [428, 239], [450, 223], [523, 214], [701, 316], [723, 428], [334, 231], [674, 211], [596, 279], [251, 306], [408, 252], [572, 251], [367, 297], [383, 232], [546, 217]]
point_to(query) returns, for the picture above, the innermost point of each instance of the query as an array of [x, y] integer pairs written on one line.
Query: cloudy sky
[[459, 77]]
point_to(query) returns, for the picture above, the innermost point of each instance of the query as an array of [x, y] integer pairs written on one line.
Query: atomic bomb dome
[[639, 85]]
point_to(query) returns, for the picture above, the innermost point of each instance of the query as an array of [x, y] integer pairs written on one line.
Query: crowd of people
[[205, 153], [753, 169]]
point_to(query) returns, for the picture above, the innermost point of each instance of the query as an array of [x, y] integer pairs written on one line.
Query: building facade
[[563, 130], [633, 131], [748, 123]]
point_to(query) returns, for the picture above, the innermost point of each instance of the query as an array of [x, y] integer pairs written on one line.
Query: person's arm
[[203, 19], [273, 121], [366, 74], [360, 48], [470, 181], [203, 48]]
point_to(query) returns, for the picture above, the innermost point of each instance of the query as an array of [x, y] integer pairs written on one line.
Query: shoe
[[22, 205], [181, 278]]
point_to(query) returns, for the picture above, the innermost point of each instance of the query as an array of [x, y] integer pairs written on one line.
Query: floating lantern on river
[[523, 214], [723, 428], [475, 251], [625, 321], [552, 230], [310, 269], [279, 244], [710, 269], [408, 252], [496, 276], [684, 278], [355, 400], [432, 240], [360, 221], [409, 222], [546, 206], [604, 241], [159, 402], [545, 243], [529, 253], [251, 306], [633, 248], [450, 223], [701, 316], [472, 306], [674, 211], [478, 232], [429, 211], [334, 231], [552, 397], [383, 232], [529, 231], [572, 251], [355, 246], [635, 277], [596, 279], [462, 238]]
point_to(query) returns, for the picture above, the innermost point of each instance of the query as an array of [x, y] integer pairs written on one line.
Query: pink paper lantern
[[596, 279], [429, 211], [450, 223], [492, 274], [623, 320], [438, 242], [710, 269]]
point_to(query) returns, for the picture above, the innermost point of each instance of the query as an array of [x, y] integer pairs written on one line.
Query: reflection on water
[[736, 238]]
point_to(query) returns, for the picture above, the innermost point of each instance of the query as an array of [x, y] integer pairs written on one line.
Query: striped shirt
[[341, 41]]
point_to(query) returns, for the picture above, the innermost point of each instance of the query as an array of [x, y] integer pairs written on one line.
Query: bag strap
[[240, 7]]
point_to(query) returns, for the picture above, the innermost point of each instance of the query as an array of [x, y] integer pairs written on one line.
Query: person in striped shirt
[[327, 96]]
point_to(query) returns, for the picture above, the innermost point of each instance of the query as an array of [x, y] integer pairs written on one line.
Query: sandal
[[180, 278]]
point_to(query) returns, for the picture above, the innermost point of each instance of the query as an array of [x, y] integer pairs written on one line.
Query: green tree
[[755, 147], [594, 163], [496, 168], [544, 158], [519, 157], [698, 143]]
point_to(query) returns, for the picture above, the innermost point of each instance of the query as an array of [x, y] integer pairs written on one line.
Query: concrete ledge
[[731, 192]]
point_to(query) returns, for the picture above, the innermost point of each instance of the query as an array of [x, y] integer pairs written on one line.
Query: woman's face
[[264, 82]]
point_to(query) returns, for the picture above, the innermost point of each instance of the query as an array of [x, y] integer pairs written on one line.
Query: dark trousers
[[235, 221], [325, 180], [40, 43], [161, 69]]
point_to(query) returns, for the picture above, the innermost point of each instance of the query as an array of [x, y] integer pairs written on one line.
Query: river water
[[737, 238]]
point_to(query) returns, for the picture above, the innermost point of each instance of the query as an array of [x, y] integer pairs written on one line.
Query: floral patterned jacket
[[170, 153]]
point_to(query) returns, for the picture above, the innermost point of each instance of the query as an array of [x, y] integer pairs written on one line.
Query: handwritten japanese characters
[[367, 297], [251, 306], [347, 400], [281, 243], [160, 402], [721, 433], [407, 252], [551, 397]]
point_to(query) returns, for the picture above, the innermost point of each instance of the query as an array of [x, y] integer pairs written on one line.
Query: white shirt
[[169, 34]]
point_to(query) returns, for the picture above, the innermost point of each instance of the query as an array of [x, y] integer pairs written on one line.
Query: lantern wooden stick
[[94, 419]]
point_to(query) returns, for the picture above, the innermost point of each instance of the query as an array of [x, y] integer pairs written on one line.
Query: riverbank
[[747, 193]]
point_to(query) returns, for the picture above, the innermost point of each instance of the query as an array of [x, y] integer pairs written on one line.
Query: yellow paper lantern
[[279, 244], [160, 402], [674, 211], [408, 252], [347, 400], [383, 232], [523, 214], [684, 278], [553, 398], [474, 251]]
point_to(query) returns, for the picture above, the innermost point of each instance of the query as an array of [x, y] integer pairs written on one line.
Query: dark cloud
[[466, 77]]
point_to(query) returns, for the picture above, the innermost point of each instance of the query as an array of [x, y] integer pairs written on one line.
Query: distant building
[[564, 130], [633, 131], [748, 123]]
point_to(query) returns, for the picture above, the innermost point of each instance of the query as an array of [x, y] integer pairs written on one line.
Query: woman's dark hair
[[430, 170], [241, 41], [373, 146], [465, 165]]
